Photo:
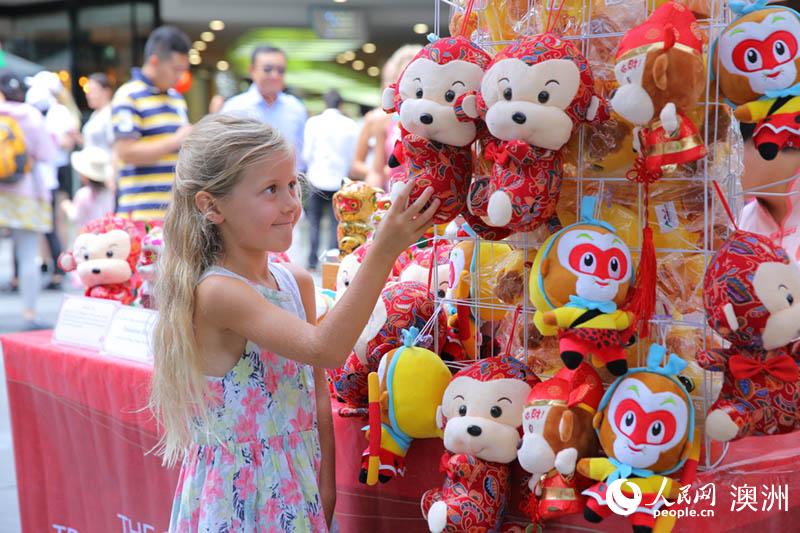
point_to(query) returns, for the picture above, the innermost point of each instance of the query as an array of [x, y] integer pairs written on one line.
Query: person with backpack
[[25, 206]]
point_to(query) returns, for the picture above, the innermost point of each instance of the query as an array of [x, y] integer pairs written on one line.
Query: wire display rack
[[596, 27]]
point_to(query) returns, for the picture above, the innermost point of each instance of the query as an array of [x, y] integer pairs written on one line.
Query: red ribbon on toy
[[444, 463], [782, 367]]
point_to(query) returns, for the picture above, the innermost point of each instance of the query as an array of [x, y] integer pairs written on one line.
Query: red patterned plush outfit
[[531, 176], [122, 292], [444, 167], [761, 389], [408, 304], [474, 490]]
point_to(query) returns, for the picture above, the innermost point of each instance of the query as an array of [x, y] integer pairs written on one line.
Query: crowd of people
[[122, 159]]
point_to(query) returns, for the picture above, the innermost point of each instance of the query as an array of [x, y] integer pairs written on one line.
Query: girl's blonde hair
[[211, 159]]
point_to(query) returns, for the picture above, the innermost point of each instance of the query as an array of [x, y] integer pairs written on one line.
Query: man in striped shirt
[[150, 122]]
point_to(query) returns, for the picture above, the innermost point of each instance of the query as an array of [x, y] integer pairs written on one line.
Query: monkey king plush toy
[[580, 277], [105, 254], [557, 423], [436, 142], [645, 424], [534, 95], [661, 75], [756, 60], [752, 299], [404, 396], [481, 412]]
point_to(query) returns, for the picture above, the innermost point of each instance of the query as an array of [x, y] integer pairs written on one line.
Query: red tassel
[[642, 300]]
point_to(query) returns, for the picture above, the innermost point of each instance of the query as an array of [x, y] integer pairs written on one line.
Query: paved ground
[[48, 306]]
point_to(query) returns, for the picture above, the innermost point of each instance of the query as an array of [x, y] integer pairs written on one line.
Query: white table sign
[[83, 321], [130, 334]]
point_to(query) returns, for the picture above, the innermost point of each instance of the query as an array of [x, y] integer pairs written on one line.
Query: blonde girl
[[252, 428]]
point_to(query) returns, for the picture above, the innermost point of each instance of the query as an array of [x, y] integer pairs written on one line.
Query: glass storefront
[[80, 38]]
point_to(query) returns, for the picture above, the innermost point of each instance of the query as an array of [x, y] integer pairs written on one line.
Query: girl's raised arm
[[235, 306]]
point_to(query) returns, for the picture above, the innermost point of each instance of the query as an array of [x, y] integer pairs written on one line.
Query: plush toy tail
[[374, 429]]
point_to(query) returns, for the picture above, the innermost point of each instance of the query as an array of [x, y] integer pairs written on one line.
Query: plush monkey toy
[[435, 143], [580, 277], [756, 59], [105, 256], [752, 298], [661, 75], [645, 424], [557, 425], [481, 412], [534, 95]]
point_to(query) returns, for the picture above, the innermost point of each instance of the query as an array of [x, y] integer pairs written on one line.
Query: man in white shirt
[[329, 142]]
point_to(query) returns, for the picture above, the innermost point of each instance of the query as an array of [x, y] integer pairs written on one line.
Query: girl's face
[[262, 209], [760, 173]]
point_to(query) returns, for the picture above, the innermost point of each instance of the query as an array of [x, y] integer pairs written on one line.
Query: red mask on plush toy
[[481, 413], [752, 298], [435, 142], [533, 96], [105, 256]]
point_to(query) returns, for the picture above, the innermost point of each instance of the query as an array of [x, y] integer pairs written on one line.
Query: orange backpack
[[14, 160]]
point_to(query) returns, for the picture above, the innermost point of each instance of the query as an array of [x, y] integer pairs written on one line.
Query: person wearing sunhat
[[94, 199], [24, 198]]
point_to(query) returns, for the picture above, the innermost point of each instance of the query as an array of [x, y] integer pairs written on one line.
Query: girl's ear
[[207, 206]]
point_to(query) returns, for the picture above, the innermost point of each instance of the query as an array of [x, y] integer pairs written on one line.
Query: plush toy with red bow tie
[[435, 142], [752, 299], [481, 412], [105, 256], [534, 95]]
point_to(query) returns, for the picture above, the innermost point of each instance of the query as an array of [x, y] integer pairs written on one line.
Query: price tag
[[130, 334], [83, 321], [667, 217]]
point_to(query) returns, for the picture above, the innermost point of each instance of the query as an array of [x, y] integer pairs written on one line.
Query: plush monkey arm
[[714, 360], [398, 155], [753, 111], [565, 316], [623, 319], [544, 329], [597, 468]]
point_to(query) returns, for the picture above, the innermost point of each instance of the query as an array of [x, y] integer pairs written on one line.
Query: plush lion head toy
[[105, 255]]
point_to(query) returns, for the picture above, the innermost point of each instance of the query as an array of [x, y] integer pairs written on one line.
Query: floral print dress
[[256, 471]]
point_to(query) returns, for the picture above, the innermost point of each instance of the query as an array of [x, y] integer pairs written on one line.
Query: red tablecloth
[[80, 438]]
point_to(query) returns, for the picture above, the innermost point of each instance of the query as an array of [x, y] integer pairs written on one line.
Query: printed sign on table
[[83, 321]]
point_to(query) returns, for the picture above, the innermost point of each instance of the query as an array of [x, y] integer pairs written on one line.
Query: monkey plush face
[[645, 423], [758, 52], [585, 260]]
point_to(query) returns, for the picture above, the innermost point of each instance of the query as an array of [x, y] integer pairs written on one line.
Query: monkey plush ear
[[660, 66], [440, 418], [544, 267], [597, 420], [387, 99], [566, 425]]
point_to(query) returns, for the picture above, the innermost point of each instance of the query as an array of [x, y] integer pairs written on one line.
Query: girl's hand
[[404, 224]]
